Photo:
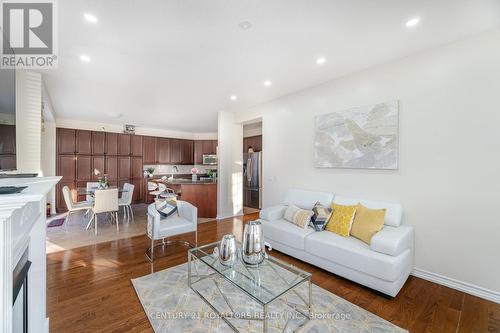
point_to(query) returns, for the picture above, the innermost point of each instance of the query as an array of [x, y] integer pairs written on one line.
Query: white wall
[[230, 167], [118, 128], [448, 181], [28, 121]]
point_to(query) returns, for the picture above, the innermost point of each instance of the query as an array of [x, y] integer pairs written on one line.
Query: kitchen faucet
[[174, 169]]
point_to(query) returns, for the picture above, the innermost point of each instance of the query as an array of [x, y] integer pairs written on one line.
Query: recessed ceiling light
[[412, 22], [85, 58], [245, 25], [267, 83], [320, 60], [90, 18], [233, 97]]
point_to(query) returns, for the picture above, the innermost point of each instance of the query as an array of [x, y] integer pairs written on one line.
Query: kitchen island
[[200, 193]]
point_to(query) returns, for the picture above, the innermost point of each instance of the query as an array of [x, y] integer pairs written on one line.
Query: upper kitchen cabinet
[[84, 168], [66, 167], [136, 145], [187, 152], [66, 141], [98, 143], [253, 141], [111, 167], [83, 142], [111, 144], [149, 155], [198, 152], [8, 139], [124, 144], [164, 150]]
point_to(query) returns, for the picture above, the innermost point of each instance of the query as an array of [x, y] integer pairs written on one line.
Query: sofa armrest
[[273, 213], [393, 240]]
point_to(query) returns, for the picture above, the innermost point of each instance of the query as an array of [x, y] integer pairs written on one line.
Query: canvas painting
[[362, 137]]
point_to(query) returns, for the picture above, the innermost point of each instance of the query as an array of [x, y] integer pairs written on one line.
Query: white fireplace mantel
[[23, 226]]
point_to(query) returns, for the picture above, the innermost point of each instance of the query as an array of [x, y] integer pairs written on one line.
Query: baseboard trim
[[468, 288]]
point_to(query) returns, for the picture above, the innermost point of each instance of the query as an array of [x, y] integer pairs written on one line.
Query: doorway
[[252, 167]]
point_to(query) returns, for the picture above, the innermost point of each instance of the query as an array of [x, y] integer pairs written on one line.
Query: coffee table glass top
[[264, 283]]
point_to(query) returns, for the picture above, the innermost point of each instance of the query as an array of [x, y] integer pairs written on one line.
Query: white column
[[230, 168]]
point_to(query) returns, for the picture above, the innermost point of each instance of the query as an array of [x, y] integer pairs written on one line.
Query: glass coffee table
[[244, 293]]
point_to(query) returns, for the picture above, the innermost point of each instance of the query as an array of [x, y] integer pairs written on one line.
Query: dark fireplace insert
[[20, 295]]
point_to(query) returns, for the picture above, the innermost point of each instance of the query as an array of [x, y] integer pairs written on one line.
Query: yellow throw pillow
[[341, 220], [367, 223]]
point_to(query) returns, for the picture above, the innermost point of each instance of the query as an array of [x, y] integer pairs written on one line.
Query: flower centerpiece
[[148, 173], [194, 174], [101, 179]]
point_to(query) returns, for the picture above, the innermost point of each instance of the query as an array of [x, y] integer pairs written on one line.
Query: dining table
[[91, 191]]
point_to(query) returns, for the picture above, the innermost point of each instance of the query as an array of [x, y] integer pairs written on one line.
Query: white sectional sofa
[[384, 265]]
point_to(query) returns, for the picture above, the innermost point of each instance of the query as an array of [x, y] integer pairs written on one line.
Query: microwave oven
[[209, 159]]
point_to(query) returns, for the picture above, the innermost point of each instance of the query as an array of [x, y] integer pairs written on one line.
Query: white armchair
[[185, 221]]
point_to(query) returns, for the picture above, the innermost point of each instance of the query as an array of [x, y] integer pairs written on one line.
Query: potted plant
[[194, 174]]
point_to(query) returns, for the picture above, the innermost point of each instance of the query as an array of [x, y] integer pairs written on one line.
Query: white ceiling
[[173, 64]]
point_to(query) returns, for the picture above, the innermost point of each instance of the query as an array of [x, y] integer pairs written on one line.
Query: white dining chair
[[156, 188], [126, 201], [91, 186], [105, 201], [71, 205], [184, 222], [168, 193]]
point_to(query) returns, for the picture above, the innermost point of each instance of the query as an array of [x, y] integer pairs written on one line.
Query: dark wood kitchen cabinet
[[124, 168], [66, 167], [138, 195], [187, 152], [111, 167], [149, 144], [66, 141], [164, 150], [7, 139], [253, 141], [98, 143], [124, 144], [83, 168], [99, 164], [83, 142], [111, 144], [198, 152], [136, 171], [136, 145], [175, 151]]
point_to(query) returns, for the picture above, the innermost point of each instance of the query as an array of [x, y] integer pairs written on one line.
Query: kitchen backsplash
[[163, 169]]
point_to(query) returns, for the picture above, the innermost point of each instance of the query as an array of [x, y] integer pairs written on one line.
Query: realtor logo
[[28, 34]]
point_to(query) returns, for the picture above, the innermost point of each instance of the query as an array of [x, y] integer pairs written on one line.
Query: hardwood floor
[[89, 290]]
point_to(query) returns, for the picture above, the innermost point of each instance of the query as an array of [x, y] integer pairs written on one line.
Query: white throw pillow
[[297, 216]]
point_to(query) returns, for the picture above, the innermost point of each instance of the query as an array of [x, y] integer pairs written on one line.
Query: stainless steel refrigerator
[[252, 180]]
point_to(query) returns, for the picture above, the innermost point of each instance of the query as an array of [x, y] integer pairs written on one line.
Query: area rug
[[171, 306], [56, 223]]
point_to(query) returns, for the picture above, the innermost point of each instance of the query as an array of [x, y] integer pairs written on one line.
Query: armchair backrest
[[152, 186], [306, 199], [185, 210], [106, 201]]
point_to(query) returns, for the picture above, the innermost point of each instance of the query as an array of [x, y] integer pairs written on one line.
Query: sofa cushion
[[299, 217], [354, 254], [367, 223], [393, 241], [307, 199], [273, 213], [341, 220], [393, 214], [285, 232]]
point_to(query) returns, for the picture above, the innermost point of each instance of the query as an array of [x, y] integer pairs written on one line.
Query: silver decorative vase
[[228, 251], [253, 249]]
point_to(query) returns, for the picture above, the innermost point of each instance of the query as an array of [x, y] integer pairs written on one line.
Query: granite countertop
[[186, 181]]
